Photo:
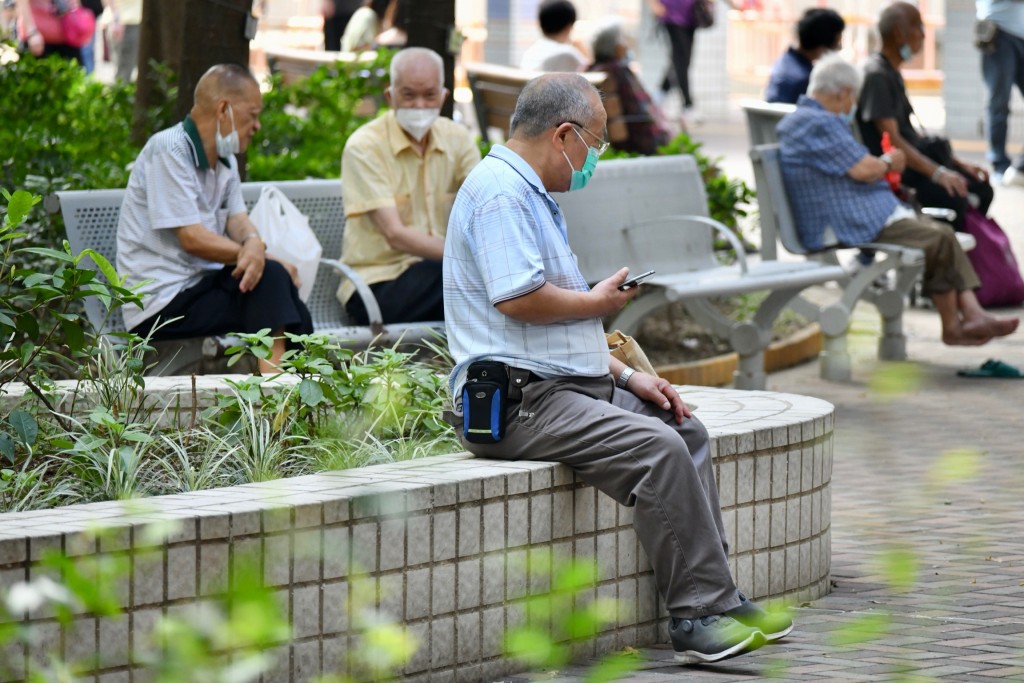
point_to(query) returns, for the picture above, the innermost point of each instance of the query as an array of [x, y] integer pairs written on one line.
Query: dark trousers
[[414, 296], [681, 44], [215, 306], [933, 194]]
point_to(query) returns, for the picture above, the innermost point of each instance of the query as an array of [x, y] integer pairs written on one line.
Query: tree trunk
[[431, 24], [188, 37]]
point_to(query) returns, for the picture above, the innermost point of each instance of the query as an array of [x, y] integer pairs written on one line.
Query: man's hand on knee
[[658, 391], [251, 262]]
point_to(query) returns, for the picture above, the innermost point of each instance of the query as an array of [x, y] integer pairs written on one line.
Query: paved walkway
[[927, 513]]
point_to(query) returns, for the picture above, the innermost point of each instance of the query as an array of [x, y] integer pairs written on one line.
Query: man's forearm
[[406, 239]]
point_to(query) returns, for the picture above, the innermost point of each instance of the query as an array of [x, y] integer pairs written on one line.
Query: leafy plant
[[305, 124], [563, 616]]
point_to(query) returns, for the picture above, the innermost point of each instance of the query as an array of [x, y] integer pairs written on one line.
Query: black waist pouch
[[484, 396]]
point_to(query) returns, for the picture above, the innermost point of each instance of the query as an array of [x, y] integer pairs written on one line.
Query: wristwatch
[[624, 377], [888, 161]]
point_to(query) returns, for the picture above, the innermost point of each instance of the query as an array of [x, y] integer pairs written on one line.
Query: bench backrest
[[777, 221], [762, 118], [91, 216], [606, 220], [496, 88]]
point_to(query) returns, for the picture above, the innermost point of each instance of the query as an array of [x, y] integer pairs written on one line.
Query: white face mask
[[228, 144], [417, 122]]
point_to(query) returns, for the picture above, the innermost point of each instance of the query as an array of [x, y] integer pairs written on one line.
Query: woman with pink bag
[[59, 27]]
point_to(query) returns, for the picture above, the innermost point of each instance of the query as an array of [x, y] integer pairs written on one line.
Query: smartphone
[[635, 280]]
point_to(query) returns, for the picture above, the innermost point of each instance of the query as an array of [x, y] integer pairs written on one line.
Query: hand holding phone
[[635, 280]]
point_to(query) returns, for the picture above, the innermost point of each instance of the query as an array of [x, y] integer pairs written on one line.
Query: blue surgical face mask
[[906, 52], [849, 117], [582, 177]]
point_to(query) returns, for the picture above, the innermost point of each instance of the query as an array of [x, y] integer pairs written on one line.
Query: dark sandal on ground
[[711, 639], [993, 368], [773, 623]]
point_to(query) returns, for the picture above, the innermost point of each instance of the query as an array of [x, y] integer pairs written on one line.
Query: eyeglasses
[[602, 144]]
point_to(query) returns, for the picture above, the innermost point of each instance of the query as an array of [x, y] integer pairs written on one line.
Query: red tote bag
[[993, 260]]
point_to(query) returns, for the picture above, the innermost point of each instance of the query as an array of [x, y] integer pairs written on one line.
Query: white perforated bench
[[651, 213], [91, 216]]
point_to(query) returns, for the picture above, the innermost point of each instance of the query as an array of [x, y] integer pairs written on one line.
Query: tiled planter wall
[[444, 540]]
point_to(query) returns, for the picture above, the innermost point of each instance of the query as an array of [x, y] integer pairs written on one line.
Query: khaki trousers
[[946, 266], [634, 452]]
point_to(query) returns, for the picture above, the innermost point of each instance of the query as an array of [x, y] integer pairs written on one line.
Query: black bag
[[483, 402], [937, 149], [702, 14]]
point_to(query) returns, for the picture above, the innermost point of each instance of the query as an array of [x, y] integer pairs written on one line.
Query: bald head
[[412, 61], [230, 82], [896, 22], [552, 99]]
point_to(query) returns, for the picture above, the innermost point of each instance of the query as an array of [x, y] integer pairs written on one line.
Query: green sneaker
[[710, 639], [774, 624]]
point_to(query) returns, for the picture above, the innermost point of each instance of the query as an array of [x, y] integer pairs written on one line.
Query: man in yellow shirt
[[400, 173]]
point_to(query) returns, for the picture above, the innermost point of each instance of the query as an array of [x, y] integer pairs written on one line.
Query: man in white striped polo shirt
[[184, 227]]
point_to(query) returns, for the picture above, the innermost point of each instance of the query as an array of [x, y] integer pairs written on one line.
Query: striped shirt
[[507, 238], [816, 151], [171, 185]]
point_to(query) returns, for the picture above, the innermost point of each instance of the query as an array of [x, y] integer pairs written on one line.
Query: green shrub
[[305, 124]]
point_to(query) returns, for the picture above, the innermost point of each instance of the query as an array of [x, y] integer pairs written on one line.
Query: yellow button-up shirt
[[380, 168]]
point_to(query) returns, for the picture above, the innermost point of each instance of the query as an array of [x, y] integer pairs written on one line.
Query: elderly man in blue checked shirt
[[836, 186], [514, 296]]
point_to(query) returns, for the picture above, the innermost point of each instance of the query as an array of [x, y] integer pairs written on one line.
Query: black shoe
[[710, 639], [774, 624]]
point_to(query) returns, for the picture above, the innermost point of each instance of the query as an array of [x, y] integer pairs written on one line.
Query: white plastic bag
[[287, 234]]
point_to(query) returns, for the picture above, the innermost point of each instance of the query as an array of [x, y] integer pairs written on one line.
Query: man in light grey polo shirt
[[184, 227], [516, 301]]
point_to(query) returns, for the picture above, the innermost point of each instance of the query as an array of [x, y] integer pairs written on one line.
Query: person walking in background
[[33, 40], [126, 18], [336, 15], [555, 50], [819, 31], [1002, 65], [364, 26]]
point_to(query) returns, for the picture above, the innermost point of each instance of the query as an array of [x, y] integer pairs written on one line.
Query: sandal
[[993, 368]]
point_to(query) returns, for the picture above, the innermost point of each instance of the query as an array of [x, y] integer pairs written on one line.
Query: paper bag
[[626, 349]]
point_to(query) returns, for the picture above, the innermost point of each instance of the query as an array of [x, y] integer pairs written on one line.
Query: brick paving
[[927, 513]]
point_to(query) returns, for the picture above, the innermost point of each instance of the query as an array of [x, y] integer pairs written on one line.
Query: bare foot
[[960, 339], [989, 326]]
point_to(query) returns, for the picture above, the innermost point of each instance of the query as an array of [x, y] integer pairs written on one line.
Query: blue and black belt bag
[[488, 388]]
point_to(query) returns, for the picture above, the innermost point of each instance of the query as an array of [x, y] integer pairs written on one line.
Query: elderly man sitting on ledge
[[836, 185]]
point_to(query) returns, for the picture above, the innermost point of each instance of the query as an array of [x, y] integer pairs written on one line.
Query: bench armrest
[[725, 231], [362, 290]]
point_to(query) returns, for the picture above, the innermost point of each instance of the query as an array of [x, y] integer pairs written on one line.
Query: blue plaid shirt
[[816, 150]]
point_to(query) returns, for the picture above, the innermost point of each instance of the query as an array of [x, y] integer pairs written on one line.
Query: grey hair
[[549, 101], [832, 74], [409, 54], [606, 40]]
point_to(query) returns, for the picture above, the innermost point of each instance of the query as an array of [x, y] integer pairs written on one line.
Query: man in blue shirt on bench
[[837, 190], [519, 313]]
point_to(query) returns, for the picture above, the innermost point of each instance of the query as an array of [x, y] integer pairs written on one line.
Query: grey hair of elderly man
[[833, 74], [606, 40], [411, 54], [549, 101]]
